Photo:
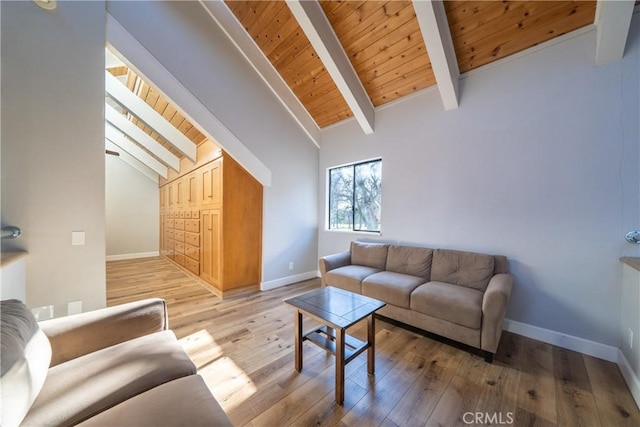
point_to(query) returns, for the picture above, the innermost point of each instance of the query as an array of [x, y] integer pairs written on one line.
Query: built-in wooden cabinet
[[211, 223]]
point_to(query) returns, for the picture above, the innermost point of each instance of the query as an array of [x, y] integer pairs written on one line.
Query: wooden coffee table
[[337, 309]]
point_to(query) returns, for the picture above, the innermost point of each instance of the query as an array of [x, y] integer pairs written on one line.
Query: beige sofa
[[119, 366], [462, 296]]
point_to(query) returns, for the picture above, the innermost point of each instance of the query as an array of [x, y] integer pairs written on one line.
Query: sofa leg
[[488, 357]]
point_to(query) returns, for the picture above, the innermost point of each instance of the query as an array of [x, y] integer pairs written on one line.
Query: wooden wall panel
[[385, 46], [277, 33], [485, 31]]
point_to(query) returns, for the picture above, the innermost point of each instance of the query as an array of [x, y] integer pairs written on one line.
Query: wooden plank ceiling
[[159, 104], [384, 43]]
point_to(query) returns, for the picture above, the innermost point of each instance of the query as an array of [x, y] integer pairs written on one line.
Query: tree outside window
[[355, 196]]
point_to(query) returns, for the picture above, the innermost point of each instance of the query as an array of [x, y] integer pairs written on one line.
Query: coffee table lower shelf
[[325, 338]]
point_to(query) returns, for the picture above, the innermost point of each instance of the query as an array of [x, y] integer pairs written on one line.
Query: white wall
[[188, 43], [53, 147], [538, 163], [132, 208]]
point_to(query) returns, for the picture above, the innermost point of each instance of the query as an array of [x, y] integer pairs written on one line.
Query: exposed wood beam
[[132, 161], [613, 19], [318, 30], [434, 27], [118, 138], [139, 136], [123, 96], [228, 22]]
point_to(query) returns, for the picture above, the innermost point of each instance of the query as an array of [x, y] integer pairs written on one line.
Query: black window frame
[[353, 197]]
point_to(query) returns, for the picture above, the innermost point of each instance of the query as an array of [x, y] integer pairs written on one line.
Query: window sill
[[359, 233]]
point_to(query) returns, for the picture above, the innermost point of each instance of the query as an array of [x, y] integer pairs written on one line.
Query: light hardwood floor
[[243, 347]]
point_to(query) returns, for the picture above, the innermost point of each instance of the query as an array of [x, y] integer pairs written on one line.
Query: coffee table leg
[[298, 339], [371, 339], [339, 366]]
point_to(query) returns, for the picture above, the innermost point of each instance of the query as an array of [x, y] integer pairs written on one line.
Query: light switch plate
[[77, 238]]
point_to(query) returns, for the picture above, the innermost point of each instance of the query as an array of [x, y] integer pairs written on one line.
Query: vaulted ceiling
[[331, 60], [394, 48]]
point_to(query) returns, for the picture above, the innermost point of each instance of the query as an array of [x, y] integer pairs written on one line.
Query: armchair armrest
[[331, 262], [79, 334], [494, 307]]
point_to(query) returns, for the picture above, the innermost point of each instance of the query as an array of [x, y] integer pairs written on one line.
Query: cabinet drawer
[[187, 215], [169, 234], [168, 223], [178, 247], [178, 235], [179, 224], [168, 243], [192, 238], [192, 266], [192, 252], [195, 214], [171, 215], [181, 214], [192, 225], [179, 258]]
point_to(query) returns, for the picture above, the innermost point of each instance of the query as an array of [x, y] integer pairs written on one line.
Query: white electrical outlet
[[291, 265], [43, 313], [630, 337], [74, 307]]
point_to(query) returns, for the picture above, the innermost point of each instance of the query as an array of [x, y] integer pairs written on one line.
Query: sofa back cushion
[[468, 269], [410, 260], [24, 361], [372, 255]]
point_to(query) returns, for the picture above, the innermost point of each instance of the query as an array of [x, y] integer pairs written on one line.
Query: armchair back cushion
[[410, 260], [372, 255], [24, 359], [469, 269]]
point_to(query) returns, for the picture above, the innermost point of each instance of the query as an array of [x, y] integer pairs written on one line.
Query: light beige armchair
[[116, 366]]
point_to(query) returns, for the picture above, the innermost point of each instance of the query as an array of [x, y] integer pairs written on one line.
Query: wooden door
[[192, 190], [171, 195], [211, 188], [181, 194], [163, 197], [211, 248]]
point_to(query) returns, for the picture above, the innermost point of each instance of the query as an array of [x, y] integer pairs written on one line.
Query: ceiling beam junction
[[245, 44], [143, 111], [118, 138], [318, 30], [141, 138], [434, 27], [613, 19]]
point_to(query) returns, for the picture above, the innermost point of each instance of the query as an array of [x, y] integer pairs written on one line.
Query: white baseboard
[[272, 284], [629, 376], [132, 256], [581, 345]]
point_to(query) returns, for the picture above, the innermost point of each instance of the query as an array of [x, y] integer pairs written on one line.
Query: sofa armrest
[[331, 262], [79, 334], [494, 307]]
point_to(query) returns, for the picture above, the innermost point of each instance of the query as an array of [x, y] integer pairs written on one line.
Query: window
[[355, 196]]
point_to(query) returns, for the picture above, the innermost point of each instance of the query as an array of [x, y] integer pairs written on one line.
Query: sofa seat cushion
[[456, 304], [390, 287], [350, 277], [84, 386], [469, 269], [183, 402]]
